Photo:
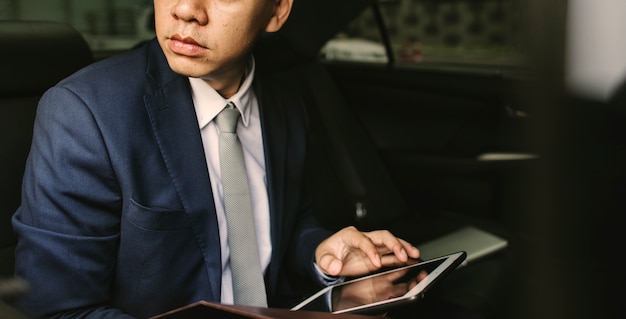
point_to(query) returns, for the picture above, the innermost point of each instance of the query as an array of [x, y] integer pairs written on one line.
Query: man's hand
[[350, 252]]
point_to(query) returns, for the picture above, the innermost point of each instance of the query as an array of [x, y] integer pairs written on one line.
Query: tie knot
[[227, 120]]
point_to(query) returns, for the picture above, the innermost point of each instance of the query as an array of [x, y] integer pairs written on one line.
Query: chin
[[187, 68]]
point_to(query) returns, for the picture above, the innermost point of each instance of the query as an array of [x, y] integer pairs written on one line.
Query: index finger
[[386, 242]]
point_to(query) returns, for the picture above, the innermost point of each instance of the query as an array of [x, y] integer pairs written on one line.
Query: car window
[[469, 32], [107, 26], [419, 32]]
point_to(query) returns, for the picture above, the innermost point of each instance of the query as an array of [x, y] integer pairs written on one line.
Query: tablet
[[377, 292]]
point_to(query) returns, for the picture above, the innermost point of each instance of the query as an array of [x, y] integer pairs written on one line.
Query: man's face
[[210, 38]]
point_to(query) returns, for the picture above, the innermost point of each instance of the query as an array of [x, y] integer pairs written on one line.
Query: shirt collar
[[208, 102]]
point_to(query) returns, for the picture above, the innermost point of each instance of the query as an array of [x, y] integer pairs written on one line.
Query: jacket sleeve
[[68, 221]]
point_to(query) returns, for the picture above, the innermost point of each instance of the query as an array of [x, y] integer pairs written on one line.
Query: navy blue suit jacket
[[117, 210]]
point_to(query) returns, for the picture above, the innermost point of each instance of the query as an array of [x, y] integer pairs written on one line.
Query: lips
[[186, 46]]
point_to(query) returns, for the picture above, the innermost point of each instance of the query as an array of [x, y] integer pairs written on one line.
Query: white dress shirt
[[208, 103]]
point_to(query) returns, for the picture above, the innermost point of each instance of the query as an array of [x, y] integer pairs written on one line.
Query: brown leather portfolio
[[207, 310]]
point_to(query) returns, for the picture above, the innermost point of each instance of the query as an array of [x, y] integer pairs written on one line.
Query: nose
[[191, 11]]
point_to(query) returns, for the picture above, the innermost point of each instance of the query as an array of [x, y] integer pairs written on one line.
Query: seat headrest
[[35, 55]]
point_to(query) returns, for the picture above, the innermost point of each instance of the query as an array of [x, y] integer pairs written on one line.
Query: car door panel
[[449, 139]]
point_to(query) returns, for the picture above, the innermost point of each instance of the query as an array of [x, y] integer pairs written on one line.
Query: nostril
[[190, 12]]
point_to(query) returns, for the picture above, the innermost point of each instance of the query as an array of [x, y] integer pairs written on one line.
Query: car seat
[[34, 55]]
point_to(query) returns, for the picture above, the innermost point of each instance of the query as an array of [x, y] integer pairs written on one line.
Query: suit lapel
[[282, 149], [275, 144], [175, 126]]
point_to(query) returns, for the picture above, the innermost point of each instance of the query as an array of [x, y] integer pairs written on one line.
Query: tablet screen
[[404, 283]]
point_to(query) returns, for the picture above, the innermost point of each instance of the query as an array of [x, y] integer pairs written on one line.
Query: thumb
[[330, 264]]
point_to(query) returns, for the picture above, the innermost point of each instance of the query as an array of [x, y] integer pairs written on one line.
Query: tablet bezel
[[450, 262]]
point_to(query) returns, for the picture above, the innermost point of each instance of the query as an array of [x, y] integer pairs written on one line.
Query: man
[[123, 211]]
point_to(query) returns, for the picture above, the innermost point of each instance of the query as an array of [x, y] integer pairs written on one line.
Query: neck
[[228, 82]]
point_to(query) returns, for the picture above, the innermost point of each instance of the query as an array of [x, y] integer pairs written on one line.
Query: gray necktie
[[248, 284]]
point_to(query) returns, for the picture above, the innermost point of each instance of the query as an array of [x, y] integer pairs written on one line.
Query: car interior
[[421, 150], [31, 72]]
